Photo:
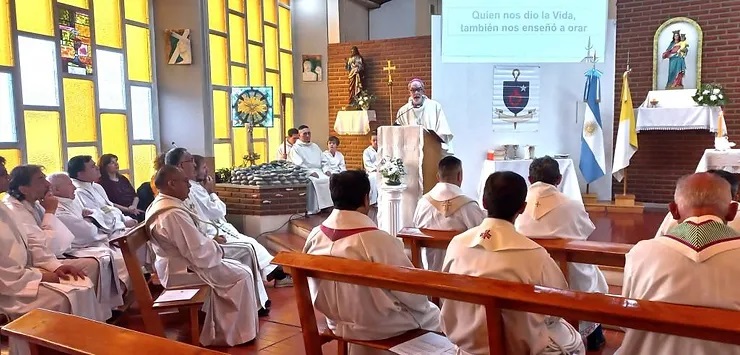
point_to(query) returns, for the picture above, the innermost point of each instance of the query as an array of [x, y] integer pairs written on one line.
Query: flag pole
[[624, 183]]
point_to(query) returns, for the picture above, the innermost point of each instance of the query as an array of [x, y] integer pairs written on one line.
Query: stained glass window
[[79, 110], [6, 48], [222, 154], [88, 150], [137, 10], [44, 139], [141, 112], [256, 65], [79, 3], [143, 165], [12, 157], [221, 119], [217, 15], [34, 16], [254, 20], [107, 14], [138, 53], [7, 109], [237, 39], [286, 42], [111, 86], [219, 60], [271, 48], [38, 62], [238, 76], [237, 5], [115, 137]]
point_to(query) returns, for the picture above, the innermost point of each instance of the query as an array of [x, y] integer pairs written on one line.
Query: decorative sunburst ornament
[[252, 106]]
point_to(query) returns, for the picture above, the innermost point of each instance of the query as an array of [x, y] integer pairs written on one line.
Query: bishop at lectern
[[423, 111]]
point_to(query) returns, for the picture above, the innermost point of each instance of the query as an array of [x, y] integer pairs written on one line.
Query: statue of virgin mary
[[676, 55]]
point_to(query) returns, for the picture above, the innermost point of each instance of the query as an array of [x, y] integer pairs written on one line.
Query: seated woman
[[118, 187], [147, 191]]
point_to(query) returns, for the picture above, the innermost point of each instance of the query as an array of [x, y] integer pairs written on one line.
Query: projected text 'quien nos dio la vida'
[[507, 22]]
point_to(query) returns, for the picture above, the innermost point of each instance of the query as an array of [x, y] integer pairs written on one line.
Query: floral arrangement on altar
[[710, 95], [362, 100], [392, 170]]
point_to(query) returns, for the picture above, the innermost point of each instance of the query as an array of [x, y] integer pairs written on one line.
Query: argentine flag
[[593, 159]]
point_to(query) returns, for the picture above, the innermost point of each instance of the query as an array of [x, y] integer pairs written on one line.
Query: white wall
[[354, 22], [310, 36], [394, 19], [466, 91]]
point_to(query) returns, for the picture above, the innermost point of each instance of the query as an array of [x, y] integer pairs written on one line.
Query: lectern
[[420, 149]]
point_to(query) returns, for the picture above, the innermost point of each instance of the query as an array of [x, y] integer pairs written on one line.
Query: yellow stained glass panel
[[286, 72], [275, 137], [12, 158], [222, 155], [44, 139], [91, 151], [271, 48], [136, 10], [138, 53], [114, 132], [286, 42], [144, 156], [34, 16], [274, 81], [237, 39], [239, 139], [221, 122], [238, 76], [219, 60], [256, 66], [237, 5], [288, 113], [79, 3], [261, 149], [108, 23], [259, 132], [217, 15], [6, 47], [79, 110], [254, 20], [270, 7]]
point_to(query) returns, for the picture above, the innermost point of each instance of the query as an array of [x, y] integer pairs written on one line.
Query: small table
[[353, 122], [569, 186], [728, 160], [676, 111]]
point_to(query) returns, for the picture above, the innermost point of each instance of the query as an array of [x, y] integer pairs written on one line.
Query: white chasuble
[[231, 307], [429, 116], [334, 164], [495, 250], [360, 312], [309, 156], [551, 214], [445, 207], [370, 163], [92, 196], [47, 236], [694, 264]]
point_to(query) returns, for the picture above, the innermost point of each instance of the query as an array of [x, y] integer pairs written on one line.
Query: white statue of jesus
[[423, 111]]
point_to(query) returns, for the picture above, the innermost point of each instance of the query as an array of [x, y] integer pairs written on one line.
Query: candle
[[720, 118]]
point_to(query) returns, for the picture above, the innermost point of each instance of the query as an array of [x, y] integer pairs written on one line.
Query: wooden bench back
[[695, 322], [49, 332], [130, 244]]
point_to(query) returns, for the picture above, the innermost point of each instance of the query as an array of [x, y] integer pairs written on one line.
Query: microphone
[[401, 114]]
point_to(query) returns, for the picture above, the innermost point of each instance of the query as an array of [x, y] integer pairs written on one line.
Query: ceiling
[[371, 4], [380, 2]]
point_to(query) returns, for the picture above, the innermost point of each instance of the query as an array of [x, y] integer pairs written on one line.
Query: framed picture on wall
[[252, 105], [177, 47], [312, 70]]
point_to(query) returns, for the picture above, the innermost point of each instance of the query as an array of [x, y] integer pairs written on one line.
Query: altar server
[[284, 148], [669, 222], [334, 159], [84, 173], [232, 306], [423, 111], [359, 312], [496, 250], [308, 155], [695, 264], [370, 163], [445, 207], [25, 287], [90, 241], [551, 214]]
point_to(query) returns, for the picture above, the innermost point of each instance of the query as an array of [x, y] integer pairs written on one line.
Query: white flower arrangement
[[391, 169], [710, 95], [362, 100]]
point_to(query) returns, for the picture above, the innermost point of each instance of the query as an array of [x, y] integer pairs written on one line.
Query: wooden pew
[[688, 321], [562, 250], [49, 332]]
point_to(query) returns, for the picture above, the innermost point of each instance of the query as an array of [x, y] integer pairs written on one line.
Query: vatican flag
[[626, 144]]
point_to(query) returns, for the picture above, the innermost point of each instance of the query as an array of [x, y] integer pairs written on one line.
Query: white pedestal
[[353, 122], [389, 220]]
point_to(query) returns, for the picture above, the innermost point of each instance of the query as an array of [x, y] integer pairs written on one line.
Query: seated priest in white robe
[[333, 159], [695, 264], [25, 287], [445, 207], [85, 174], [496, 250], [423, 111], [284, 148], [232, 305], [669, 222], [47, 239], [90, 241], [308, 155], [359, 312], [370, 163], [551, 214]]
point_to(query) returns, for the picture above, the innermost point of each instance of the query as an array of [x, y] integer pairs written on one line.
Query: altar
[[675, 110], [355, 122], [569, 186], [728, 160]]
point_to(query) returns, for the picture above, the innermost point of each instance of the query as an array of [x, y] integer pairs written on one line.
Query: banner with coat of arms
[[516, 98]]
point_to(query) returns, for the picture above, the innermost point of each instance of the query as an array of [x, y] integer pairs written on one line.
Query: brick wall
[[262, 201], [412, 58], [664, 156]]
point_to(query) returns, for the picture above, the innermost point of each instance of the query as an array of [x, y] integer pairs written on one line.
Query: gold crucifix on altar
[[390, 68]]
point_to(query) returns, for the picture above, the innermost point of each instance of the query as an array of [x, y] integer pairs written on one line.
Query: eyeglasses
[[412, 90]]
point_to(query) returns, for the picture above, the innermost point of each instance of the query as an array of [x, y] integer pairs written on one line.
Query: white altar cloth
[[676, 111], [728, 160], [353, 122], [568, 186]]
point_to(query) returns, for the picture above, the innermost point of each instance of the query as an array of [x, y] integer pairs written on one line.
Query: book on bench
[[428, 344], [176, 295]]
